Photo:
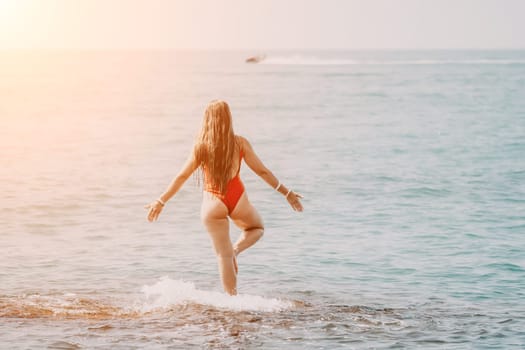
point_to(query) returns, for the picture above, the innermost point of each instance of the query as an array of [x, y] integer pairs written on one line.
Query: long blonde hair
[[215, 146]]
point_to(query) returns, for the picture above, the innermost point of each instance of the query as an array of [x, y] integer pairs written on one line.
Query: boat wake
[[301, 60]]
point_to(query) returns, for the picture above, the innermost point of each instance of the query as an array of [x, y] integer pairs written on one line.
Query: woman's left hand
[[154, 210], [293, 199]]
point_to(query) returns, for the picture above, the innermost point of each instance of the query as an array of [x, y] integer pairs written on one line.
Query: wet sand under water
[[95, 321]]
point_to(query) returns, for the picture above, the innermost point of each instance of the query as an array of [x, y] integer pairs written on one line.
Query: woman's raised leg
[[214, 215], [246, 217]]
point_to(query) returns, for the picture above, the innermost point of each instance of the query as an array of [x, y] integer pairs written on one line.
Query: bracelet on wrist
[[278, 186], [287, 194], [161, 201]]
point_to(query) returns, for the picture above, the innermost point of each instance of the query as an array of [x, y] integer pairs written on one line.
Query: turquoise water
[[411, 164]]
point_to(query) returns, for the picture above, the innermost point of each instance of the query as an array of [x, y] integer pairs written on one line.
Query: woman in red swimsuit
[[218, 154]]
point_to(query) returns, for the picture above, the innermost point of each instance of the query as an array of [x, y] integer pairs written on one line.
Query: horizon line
[[167, 49]]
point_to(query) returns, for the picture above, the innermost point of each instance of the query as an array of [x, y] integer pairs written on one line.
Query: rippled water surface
[[411, 165]]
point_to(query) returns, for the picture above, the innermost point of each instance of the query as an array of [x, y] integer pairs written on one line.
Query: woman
[[217, 155]]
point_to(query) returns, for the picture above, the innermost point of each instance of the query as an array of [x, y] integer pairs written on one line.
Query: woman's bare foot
[[235, 254], [235, 266]]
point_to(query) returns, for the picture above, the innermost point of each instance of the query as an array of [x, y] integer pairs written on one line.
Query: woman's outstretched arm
[[185, 172], [257, 166]]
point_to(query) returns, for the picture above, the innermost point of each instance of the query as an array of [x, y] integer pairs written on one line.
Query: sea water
[[411, 164]]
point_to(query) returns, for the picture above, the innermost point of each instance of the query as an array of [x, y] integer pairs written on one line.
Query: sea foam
[[168, 292]]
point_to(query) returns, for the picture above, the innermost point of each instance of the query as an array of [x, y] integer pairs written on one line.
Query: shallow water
[[411, 164]]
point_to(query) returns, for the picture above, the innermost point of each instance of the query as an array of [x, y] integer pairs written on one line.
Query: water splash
[[167, 292]]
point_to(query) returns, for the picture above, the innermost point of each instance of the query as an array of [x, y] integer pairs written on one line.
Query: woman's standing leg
[[214, 215]]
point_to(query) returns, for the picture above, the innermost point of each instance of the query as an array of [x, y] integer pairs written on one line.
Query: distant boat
[[255, 59]]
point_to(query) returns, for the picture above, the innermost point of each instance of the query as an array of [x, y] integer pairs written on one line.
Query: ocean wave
[[59, 306], [424, 191], [166, 295]]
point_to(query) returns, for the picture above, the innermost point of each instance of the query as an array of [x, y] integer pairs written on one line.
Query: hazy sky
[[262, 24]]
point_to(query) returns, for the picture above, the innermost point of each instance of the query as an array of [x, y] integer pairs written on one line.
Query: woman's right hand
[[155, 208], [293, 199]]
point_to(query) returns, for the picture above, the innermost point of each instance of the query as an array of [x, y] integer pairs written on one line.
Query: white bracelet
[[289, 191], [278, 185], [161, 202]]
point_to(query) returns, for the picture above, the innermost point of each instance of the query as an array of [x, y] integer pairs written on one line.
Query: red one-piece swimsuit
[[234, 190]]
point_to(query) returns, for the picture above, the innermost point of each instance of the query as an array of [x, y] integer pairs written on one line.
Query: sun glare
[[8, 7], [11, 13]]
